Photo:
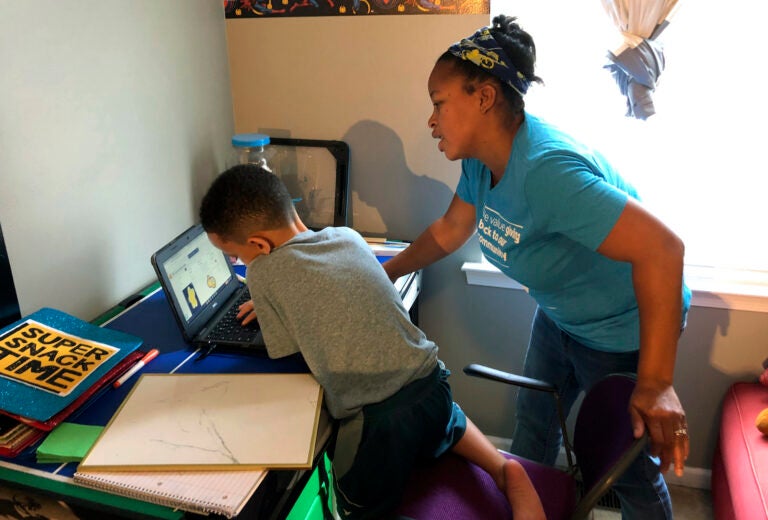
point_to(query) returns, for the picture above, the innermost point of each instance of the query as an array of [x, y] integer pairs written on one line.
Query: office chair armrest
[[534, 384], [505, 377]]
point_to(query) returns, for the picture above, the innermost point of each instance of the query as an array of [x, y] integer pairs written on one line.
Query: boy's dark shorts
[[376, 449]]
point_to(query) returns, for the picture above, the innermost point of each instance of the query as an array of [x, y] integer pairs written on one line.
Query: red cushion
[[740, 468]]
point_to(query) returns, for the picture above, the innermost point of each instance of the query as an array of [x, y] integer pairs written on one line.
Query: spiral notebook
[[203, 492]]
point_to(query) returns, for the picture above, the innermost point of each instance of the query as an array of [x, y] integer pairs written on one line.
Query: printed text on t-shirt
[[495, 232]]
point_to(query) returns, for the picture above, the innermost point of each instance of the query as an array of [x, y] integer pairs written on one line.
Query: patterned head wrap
[[483, 50]]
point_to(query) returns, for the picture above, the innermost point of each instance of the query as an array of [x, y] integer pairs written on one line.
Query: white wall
[[113, 119]]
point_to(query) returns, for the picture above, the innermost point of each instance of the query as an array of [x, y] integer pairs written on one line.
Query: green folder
[[68, 442]]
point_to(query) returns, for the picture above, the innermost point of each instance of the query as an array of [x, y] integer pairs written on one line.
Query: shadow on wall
[[732, 342], [379, 176]]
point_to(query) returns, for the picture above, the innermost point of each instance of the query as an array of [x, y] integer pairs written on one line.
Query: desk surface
[[152, 320]]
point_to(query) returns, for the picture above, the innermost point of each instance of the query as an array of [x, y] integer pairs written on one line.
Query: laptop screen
[[196, 272], [196, 276]]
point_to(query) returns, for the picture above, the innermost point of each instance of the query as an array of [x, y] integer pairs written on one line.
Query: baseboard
[[697, 478]]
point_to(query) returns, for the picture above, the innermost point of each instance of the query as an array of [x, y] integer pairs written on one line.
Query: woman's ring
[[681, 432]]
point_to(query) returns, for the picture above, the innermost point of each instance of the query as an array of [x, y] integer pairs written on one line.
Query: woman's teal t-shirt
[[541, 225]]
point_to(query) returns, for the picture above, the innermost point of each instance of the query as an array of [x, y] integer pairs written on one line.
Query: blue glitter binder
[[49, 358]]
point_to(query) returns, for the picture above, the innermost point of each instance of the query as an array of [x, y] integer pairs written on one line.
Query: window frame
[[733, 289]]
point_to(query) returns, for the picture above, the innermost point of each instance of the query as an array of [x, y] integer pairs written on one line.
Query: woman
[[554, 215]]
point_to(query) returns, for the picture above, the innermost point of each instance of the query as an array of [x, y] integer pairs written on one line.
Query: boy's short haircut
[[245, 199]]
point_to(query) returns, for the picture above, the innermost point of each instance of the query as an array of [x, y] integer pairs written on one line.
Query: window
[[696, 162]]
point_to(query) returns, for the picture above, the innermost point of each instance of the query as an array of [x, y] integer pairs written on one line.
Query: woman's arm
[[656, 255], [444, 236]]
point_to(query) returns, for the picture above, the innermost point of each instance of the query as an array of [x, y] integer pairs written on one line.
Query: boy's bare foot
[[521, 494]]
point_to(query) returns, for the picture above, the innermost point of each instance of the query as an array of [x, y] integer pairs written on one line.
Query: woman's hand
[[246, 314], [656, 408]]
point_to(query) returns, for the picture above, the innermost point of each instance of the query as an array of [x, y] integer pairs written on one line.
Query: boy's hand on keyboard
[[246, 313]]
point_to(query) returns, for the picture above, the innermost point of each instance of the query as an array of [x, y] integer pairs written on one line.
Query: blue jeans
[[555, 357]]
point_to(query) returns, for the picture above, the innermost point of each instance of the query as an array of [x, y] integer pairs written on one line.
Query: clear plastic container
[[251, 149]]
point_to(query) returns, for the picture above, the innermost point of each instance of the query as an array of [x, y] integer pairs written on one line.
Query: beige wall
[[359, 79]]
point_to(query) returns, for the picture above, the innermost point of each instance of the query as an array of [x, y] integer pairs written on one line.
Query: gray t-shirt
[[325, 294]]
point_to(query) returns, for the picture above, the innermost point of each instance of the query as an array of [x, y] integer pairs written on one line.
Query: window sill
[[711, 287]]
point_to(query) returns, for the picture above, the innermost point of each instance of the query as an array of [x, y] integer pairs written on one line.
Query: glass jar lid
[[249, 140]]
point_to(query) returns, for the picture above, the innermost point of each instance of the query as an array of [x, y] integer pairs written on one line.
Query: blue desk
[[151, 319]]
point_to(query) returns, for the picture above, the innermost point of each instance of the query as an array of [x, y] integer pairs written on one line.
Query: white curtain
[[638, 61]]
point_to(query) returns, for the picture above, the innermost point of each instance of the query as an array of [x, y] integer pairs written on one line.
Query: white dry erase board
[[211, 421]]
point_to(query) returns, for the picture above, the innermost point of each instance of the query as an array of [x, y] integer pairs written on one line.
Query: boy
[[324, 294]]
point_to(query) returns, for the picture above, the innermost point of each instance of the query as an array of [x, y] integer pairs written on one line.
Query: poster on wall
[[285, 8]]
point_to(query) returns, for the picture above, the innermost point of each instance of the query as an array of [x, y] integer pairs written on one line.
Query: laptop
[[200, 283], [204, 294]]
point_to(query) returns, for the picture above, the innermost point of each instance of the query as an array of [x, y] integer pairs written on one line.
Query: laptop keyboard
[[229, 327]]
